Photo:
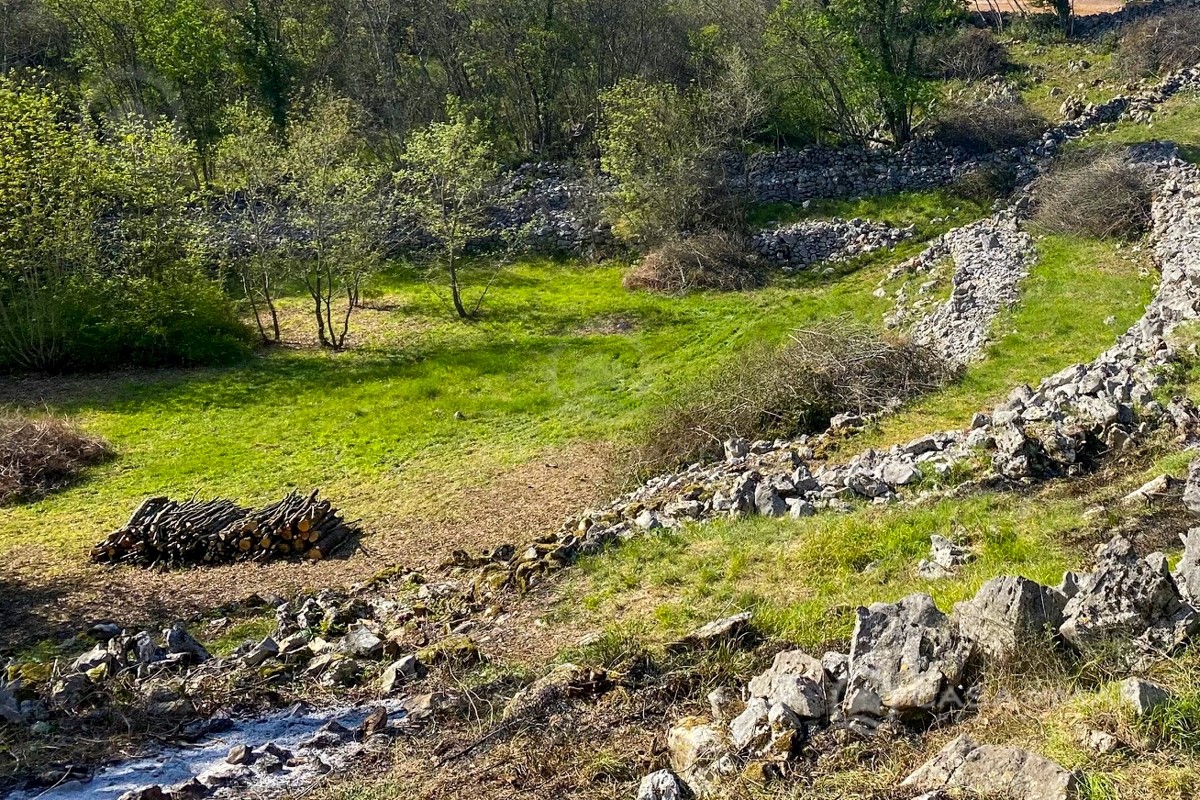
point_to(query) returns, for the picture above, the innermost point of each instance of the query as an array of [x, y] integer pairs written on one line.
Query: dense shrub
[[39, 456], [1094, 195], [101, 257], [1161, 44], [987, 183], [769, 392], [984, 127], [718, 261], [968, 54]]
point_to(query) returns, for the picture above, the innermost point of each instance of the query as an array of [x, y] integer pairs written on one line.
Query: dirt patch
[[1083, 8], [610, 325], [44, 595]]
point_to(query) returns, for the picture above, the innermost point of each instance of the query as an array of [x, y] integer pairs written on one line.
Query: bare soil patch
[[44, 594], [1083, 8]]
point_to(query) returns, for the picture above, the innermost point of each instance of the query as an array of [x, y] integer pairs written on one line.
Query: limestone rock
[[406, 669], [1191, 489], [1142, 697], [795, 680], [992, 771], [661, 785], [1127, 598], [179, 641], [717, 632], [905, 658], [268, 648], [1008, 612], [1187, 573]]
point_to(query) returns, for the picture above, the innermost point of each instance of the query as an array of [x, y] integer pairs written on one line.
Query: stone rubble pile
[[363, 641], [820, 172], [990, 258], [909, 662], [801, 245]]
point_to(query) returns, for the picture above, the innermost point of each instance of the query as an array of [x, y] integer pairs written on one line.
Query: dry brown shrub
[[716, 261], [968, 54], [1095, 195], [1161, 44], [984, 127], [772, 392], [38, 456]]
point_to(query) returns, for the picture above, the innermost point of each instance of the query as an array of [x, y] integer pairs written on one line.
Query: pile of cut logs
[[163, 533]]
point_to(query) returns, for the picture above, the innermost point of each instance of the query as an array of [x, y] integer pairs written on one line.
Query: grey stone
[[768, 502], [1191, 489], [905, 658], [750, 730], [1007, 613], [179, 641], [408, 668], [361, 642], [1123, 599], [661, 785], [992, 771], [795, 680], [1142, 697], [267, 649], [1187, 572]]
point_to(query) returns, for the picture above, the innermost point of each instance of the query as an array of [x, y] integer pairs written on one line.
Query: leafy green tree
[[858, 60], [664, 149], [101, 260], [447, 172], [46, 212], [165, 58], [250, 174], [333, 195]]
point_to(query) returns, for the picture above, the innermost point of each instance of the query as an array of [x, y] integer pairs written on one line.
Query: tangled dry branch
[[38, 456]]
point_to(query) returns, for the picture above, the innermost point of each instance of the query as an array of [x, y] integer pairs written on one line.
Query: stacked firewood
[[163, 533]]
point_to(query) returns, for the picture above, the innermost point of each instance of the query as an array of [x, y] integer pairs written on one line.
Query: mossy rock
[[457, 651]]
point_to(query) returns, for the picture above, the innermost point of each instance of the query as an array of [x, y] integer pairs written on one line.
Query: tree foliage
[[447, 171], [100, 260], [857, 62], [333, 195]]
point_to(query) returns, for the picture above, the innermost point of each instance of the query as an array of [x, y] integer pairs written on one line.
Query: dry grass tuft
[[771, 392], [1099, 197], [985, 127], [715, 261], [38, 456], [1161, 44], [968, 54]]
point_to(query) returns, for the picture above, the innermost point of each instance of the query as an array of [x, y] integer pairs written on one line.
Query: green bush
[[100, 254], [187, 321]]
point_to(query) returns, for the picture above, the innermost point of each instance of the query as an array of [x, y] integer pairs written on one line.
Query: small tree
[[250, 165], [447, 171], [333, 197], [665, 150]]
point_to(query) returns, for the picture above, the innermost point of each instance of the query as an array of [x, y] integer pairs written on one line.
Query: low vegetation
[[984, 127], [42, 454], [1098, 195], [1160, 44], [769, 392], [717, 261]]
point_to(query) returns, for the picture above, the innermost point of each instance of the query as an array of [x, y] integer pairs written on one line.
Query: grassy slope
[[375, 426], [1078, 298]]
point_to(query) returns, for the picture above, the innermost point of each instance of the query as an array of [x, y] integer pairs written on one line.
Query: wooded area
[[165, 165]]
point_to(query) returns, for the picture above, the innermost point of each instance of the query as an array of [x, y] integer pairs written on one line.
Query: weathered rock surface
[[992, 771], [906, 659], [1127, 598], [1009, 613]]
